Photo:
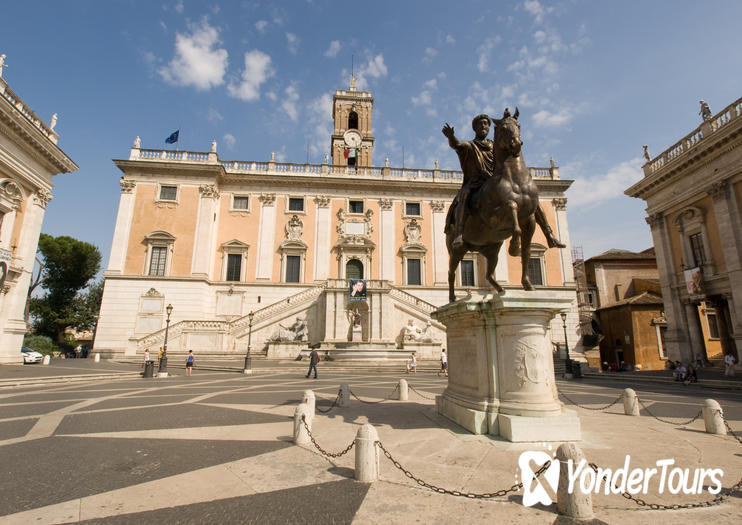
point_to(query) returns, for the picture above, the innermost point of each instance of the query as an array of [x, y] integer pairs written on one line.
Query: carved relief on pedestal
[[209, 191], [529, 366], [127, 186], [42, 197]]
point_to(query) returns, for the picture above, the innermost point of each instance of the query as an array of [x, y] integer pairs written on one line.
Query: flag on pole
[[173, 138]]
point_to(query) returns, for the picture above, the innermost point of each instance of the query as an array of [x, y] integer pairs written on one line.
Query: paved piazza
[[217, 448]]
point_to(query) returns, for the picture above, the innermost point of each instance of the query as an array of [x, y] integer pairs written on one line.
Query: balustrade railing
[[702, 132], [27, 112]]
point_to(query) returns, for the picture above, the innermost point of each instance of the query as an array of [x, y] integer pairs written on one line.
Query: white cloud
[[430, 53], [334, 49], [536, 9], [179, 6], [214, 116], [589, 192], [374, 68], [289, 104], [423, 99], [484, 51], [319, 117], [545, 118], [257, 71], [293, 42], [450, 39], [229, 140], [260, 25], [431, 84], [198, 61]]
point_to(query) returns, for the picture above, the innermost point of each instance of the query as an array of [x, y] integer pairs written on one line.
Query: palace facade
[[29, 158], [693, 192], [246, 250]]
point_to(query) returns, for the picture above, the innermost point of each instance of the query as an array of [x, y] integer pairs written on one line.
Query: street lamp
[[162, 372], [248, 359], [567, 361]]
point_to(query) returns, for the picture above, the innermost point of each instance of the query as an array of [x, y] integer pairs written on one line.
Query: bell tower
[[352, 142]]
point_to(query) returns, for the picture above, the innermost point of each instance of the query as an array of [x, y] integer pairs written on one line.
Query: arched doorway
[[354, 269]]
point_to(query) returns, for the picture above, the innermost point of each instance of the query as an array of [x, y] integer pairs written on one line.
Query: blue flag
[[173, 138]]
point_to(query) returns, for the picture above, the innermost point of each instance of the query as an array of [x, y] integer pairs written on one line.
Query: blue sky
[[594, 81]]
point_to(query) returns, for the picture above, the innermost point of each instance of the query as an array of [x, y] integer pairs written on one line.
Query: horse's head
[[507, 134]]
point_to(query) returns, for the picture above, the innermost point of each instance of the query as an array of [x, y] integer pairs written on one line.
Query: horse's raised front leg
[[514, 248], [491, 253]]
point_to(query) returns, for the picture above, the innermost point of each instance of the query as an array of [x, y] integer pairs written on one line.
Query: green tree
[[67, 265]]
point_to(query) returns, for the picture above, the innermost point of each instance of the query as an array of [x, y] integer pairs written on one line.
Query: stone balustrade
[[24, 110], [238, 167], [690, 141]]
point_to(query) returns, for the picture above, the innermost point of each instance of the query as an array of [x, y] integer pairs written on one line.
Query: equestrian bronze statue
[[498, 199]]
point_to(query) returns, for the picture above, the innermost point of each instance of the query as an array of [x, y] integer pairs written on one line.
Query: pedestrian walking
[[444, 362], [190, 361], [313, 360], [147, 358], [412, 364], [729, 360]]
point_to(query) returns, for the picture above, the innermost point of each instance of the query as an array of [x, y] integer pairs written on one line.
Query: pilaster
[[387, 257], [440, 252], [266, 237], [120, 243], [322, 243], [203, 244]]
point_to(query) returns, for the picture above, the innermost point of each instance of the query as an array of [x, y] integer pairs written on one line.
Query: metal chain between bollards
[[334, 404], [729, 429], [470, 495], [606, 407], [323, 451], [719, 499], [418, 393], [679, 423], [387, 398]]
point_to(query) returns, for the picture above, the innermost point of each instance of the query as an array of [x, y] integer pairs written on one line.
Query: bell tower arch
[[352, 141]]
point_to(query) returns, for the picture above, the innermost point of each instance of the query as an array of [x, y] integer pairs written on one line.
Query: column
[[727, 215], [440, 252], [120, 244], [676, 339], [266, 237], [562, 233], [387, 257], [203, 248], [322, 247], [694, 331]]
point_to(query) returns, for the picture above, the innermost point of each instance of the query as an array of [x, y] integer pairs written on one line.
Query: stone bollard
[[310, 401], [404, 393], [96, 359], [344, 399], [712, 417], [46, 360], [367, 454], [301, 436], [577, 504], [630, 402]]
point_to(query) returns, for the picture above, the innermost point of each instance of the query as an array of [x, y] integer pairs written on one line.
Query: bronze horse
[[506, 205]]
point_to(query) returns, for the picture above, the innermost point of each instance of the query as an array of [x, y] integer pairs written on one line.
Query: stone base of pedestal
[[476, 419], [518, 429]]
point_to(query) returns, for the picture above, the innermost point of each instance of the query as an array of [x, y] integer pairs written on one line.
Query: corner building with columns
[[693, 192], [29, 158], [244, 250]]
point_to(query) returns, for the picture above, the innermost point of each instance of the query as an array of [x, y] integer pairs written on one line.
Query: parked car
[[31, 356]]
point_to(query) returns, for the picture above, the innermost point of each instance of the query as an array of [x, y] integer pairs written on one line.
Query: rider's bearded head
[[477, 121]]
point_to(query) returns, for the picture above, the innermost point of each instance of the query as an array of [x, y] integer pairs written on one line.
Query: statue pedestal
[[357, 334], [285, 349], [501, 373], [423, 350]]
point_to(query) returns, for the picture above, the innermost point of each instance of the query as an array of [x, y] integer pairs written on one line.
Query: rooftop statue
[[497, 200], [705, 110]]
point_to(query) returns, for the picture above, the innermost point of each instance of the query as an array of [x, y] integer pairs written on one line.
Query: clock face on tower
[[352, 138]]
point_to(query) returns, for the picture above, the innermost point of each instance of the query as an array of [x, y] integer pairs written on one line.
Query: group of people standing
[[190, 360]]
